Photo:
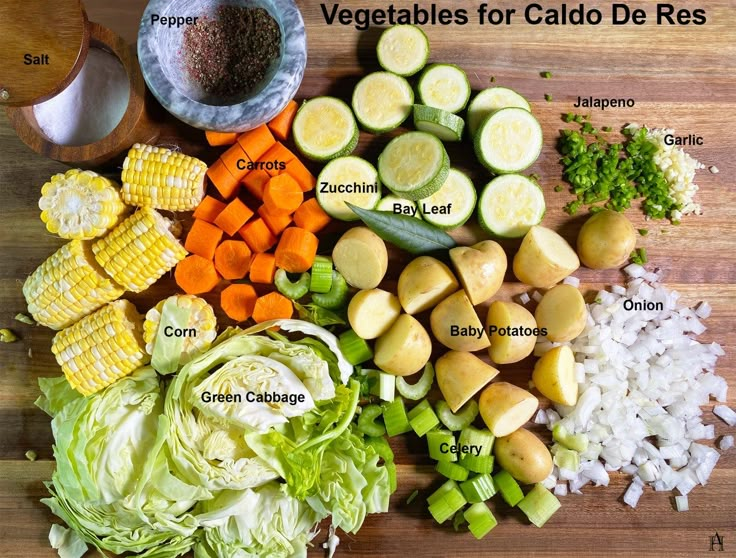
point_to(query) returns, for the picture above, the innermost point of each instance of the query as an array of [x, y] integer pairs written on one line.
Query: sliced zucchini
[[510, 205], [347, 179], [489, 101], [382, 101], [508, 141], [453, 204], [325, 128], [443, 124], [403, 50], [395, 204], [444, 86], [414, 165]]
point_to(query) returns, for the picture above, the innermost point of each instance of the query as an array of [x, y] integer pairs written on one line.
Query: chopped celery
[[567, 459], [478, 489], [337, 295], [441, 491], [539, 505], [577, 442], [167, 349], [480, 520], [447, 505], [292, 290], [367, 421], [394, 417], [508, 487], [321, 281], [457, 421], [452, 470], [477, 463], [416, 391], [355, 348], [422, 418], [458, 520], [439, 443], [412, 497], [385, 386], [483, 439]]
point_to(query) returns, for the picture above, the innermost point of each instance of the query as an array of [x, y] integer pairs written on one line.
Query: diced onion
[[681, 503], [726, 443], [726, 414]]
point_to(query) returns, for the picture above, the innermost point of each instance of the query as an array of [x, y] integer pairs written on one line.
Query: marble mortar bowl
[[159, 49]]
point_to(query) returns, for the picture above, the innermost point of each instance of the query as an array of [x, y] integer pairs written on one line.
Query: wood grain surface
[[680, 77]]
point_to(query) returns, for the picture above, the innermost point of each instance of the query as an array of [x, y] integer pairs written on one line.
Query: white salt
[[91, 107]]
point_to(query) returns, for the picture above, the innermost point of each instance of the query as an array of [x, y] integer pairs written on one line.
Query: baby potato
[[404, 349], [507, 349], [423, 283], [372, 312], [524, 456], [606, 240], [456, 325], [481, 269], [506, 407], [460, 376], [562, 312], [544, 258], [361, 258], [554, 375]]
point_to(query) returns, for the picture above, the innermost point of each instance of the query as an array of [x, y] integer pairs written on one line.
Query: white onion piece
[[726, 414], [681, 503], [726, 443], [634, 492]]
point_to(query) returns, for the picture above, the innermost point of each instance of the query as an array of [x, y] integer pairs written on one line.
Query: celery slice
[[577, 442], [452, 470], [336, 297], [477, 463], [394, 417], [445, 506], [292, 290], [355, 349], [508, 487], [539, 505], [367, 421], [478, 489], [167, 349], [422, 418], [460, 420], [567, 459], [480, 520], [436, 440], [385, 387], [421, 388], [471, 436], [441, 491], [321, 280]]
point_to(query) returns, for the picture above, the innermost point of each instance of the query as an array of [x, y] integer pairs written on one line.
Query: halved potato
[[460, 376], [544, 258], [404, 349], [372, 312], [554, 375], [506, 349], [562, 312], [481, 269], [361, 258], [524, 456], [456, 325], [423, 283], [506, 407]]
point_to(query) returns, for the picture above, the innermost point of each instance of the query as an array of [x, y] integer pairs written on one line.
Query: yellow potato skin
[[457, 310], [562, 312], [481, 269], [544, 258], [506, 349], [404, 349], [423, 283], [606, 240], [524, 456], [460, 375], [505, 407]]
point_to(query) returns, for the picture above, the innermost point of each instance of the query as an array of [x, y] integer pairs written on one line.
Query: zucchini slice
[[453, 204], [395, 204], [325, 128], [509, 141], [347, 179], [443, 124], [403, 50], [382, 101], [414, 165], [444, 86], [510, 205], [489, 101]]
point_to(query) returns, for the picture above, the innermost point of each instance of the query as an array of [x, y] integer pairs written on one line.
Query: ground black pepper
[[229, 54]]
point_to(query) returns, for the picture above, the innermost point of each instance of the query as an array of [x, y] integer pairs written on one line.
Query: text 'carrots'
[[196, 275], [263, 268], [258, 236], [281, 124], [208, 209], [272, 306], [283, 194], [233, 217], [216, 139], [256, 142], [203, 239], [232, 259], [296, 250], [311, 217], [238, 301]]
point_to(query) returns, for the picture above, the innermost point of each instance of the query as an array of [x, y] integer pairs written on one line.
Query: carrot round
[[233, 217], [236, 161], [258, 236], [263, 268], [296, 250], [216, 139], [272, 306], [281, 124], [255, 182], [277, 154], [232, 259], [223, 179], [256, 142], [208, 209], [310, 216], [238, 301], [196, 275], [203, 239], [276, 221], [296, 170], [283, 194]]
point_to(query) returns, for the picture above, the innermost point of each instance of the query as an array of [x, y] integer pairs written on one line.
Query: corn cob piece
[[101, 348], [80, 204], [68, 286], [139, 250], [163, 179], [201, 319]]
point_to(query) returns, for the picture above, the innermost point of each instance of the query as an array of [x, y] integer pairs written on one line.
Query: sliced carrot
[[255, 182], [196, 275], [296, 250], [281, 125], [258, 236], [277, 221], [208, 209], [296, 170], [283, 194], [256, 142], [238, 301], [234, 216], [203, 239], [216, 139], [262, 268], [310, 216], [272, 306], [223, 179], [232, 259], [236, 161], [277, 154]]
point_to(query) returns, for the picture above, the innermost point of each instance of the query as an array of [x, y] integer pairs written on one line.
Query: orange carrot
[[283, 194], [296, 169], [196, 275], [233, 217], [277, 154], [236, 161], [238, 301], [296, 250], [310, 216], [276, 221], [258, 236], [262, 268], [203, 239], [223, 179], [217, 139], [232, 259], [208, 209], [255, 182], [256, 142], [281, 125], [272, 306]]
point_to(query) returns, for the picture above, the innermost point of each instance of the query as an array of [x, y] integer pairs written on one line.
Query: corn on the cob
[[201, 319], [163, 179], [80, 204], [68, 286], [101, 348], [139, 250]]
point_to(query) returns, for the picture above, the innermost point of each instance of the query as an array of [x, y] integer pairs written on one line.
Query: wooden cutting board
[[682, 77]]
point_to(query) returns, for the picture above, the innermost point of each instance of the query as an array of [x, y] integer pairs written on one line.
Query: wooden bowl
[[135, 127]]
